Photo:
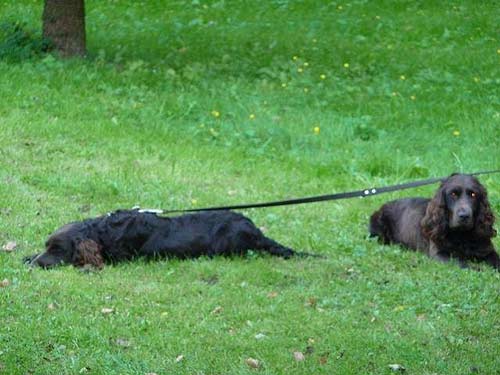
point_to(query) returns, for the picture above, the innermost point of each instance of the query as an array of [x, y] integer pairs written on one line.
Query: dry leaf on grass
[[311, 302], [51, 306], [299, 356], [179, 358], [124, 343], [397, 367], [272, 294], [107, 310], [4, 283], [260, 336], [9, 246], [323, 359], [217, 310], [253, 363]]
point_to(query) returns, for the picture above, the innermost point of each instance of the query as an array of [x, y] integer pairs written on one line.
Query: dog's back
[[399, 222]]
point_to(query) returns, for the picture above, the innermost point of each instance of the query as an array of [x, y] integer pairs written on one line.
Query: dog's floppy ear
[[435, 222], [88, 252], [484, 217]]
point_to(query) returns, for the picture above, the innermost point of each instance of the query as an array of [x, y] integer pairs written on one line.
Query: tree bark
[[64, 26]]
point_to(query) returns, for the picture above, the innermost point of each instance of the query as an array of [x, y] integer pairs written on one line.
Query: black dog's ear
[[435, 222], [484, 217], [88, 252]]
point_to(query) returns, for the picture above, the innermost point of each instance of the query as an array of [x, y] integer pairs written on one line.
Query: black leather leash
[[328, 197]]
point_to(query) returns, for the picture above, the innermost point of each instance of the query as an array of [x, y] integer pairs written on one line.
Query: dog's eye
[[454, 194], [472, 194]]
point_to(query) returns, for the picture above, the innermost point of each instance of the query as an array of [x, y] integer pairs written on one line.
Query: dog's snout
[[464, 213]]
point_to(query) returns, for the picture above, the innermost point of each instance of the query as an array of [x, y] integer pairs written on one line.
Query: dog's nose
[[463, 215]]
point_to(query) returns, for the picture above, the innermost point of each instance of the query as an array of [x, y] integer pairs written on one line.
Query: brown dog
[[457, 223]]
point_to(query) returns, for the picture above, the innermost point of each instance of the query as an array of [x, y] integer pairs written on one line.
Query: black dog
[[128, 234], [456, 223]]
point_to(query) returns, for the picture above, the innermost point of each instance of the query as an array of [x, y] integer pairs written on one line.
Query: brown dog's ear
[[484, 217], [435, 222], [88, 252]]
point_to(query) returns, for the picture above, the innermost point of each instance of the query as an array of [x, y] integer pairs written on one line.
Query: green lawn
[[188, 104]]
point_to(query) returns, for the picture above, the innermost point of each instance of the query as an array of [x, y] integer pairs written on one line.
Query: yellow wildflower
[[413, 97], [322, 76], [456, 133], [300, 70], [346, 65], [252, 116], [402, 77], [215, 113], [295, 58], [316, 130]]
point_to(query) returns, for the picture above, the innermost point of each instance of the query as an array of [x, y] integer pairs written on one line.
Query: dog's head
[[460, 205], [68, 246]]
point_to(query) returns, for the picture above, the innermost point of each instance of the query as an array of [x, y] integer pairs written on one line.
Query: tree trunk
[[64, 26]]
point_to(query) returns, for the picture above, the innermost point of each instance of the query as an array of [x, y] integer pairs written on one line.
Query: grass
[[206, 103]]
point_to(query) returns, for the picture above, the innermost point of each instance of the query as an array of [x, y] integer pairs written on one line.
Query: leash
[[328, 197]]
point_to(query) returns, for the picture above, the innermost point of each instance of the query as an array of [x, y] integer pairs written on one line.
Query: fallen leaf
[[323, 359], [252, 362], [397, 367], [311, 302], [107, 310], [217, 310], [4, 283], [9, 246], [51, 306], [272, 294], [123, 343], [179, 358], [260, 336], [299, 356]]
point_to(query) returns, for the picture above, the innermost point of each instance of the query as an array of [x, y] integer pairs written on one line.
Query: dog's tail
[[303, 254], [277, 249]]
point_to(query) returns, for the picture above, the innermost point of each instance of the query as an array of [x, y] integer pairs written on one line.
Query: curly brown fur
[[88, 253], [456, 223], [129, 234]]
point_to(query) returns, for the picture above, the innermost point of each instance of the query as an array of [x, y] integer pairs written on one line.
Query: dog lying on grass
[[457, 223], [128, 234]]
